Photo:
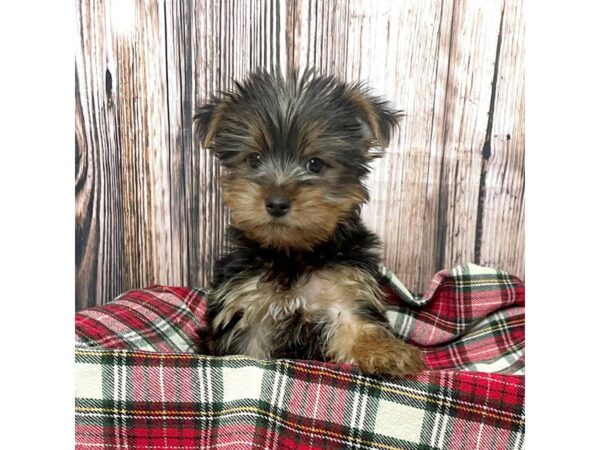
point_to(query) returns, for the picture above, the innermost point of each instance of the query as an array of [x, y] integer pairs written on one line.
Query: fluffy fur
[[300, 278]]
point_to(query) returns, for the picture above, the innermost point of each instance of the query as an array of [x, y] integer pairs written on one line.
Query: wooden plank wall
[[449, 190]]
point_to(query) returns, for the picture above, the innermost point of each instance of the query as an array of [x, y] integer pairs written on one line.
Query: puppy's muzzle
[[277, 205]]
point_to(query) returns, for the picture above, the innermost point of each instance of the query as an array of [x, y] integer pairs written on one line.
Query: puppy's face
[[296, 152]]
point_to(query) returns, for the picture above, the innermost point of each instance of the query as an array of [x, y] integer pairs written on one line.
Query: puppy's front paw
[[377, 351]]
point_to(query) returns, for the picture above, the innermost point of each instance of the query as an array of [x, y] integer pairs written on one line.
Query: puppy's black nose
[[277, 205]]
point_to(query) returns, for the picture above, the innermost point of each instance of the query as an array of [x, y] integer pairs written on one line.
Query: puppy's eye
[[254, 160], [315, 165]]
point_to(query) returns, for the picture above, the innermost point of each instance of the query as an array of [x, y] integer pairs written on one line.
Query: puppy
[[300, 279]]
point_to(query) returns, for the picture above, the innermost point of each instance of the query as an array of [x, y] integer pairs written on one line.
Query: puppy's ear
[[375, 116], [208, 120]]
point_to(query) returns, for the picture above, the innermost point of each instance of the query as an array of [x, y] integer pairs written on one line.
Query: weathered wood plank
[[179, 111], [100, 252], [472, 61], [503, 234], [206, 79], [141, 88]]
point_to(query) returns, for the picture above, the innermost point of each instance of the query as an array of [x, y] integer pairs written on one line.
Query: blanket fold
[[142, 380]]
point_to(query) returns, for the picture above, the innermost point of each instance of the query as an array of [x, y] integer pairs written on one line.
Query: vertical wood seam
[[486, 150], [187, 142], [437, 63], [169, 149], [442, 220]]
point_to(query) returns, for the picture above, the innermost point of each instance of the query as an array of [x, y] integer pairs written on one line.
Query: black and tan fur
[[300, 278]]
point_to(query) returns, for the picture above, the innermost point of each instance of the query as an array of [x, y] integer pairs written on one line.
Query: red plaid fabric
[[140, 382]]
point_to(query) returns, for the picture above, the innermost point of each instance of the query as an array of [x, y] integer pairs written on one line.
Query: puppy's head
[[296, 152]]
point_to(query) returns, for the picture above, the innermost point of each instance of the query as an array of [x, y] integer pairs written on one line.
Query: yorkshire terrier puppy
[[301, 278]]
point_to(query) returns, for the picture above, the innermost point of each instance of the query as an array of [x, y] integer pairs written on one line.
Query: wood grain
[[100, 249], [502, 235], [449, 189], [473, 46]]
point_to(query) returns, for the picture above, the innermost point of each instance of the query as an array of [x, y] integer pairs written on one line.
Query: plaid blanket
[[142, 382]]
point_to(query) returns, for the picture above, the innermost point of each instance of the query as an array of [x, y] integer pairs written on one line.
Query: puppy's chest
[[262, 303], [258, 317]]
